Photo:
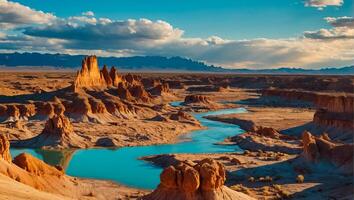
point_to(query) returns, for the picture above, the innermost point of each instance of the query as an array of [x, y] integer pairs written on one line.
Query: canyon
[[220, 136]]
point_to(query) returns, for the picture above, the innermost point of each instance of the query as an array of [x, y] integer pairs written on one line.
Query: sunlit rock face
[[58, 125], [5, 148], [191, 181], [318, 149], [90, 75]]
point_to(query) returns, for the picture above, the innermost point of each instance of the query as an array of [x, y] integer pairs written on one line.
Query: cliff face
[[340, 103], [336, 110], [204, 180], [317, 149]]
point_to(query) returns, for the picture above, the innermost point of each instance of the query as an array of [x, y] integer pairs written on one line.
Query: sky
[[251, 34]]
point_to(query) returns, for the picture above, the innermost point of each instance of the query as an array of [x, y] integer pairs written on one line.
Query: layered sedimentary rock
[[337, 103], [196, 99], [183, 117], [317, 149], [189, 181], [333, 110]]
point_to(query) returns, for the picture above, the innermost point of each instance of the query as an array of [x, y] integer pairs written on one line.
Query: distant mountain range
[[148, 63]]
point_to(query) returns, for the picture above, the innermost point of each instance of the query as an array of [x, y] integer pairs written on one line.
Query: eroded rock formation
[[189, 181], [89, 75], [58, 132], [5, 148], [317, 149], [196, 99]]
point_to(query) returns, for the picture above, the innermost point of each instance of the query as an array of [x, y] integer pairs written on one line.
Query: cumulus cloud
[[14, 14], [320, 4], [343, 28], [336, 33], [89, 32], [341, 21]]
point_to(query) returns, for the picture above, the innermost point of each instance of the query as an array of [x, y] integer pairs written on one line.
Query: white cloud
[[88, 32], [14, 14], [88, 13], [343, 28], [320, 4], [341, 21]]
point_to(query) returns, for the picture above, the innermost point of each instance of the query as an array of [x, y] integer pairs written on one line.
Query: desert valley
[[102, 134], [176, 100]]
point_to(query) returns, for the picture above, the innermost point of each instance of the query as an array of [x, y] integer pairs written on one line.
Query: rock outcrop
[[189, 181], [5, 148], [58, 132], [190, 99], [182, 116], [34, 166], [318, 149], [58, 125], [160, 89], [89, 75]]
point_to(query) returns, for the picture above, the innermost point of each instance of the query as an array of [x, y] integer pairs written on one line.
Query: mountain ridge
[[153, 63]]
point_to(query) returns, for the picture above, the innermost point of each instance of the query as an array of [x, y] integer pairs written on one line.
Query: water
[[123, 166]]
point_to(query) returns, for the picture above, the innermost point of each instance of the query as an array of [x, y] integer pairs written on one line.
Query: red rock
[[204, 180]]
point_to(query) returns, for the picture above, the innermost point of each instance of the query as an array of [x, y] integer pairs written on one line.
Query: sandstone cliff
[[333, 110]]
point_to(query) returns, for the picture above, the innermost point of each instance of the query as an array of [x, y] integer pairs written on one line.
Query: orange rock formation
[[188, 181], [196, 99], [5, 148]]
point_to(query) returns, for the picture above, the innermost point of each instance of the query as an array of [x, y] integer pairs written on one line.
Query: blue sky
[[229, 33], [231, 19]]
